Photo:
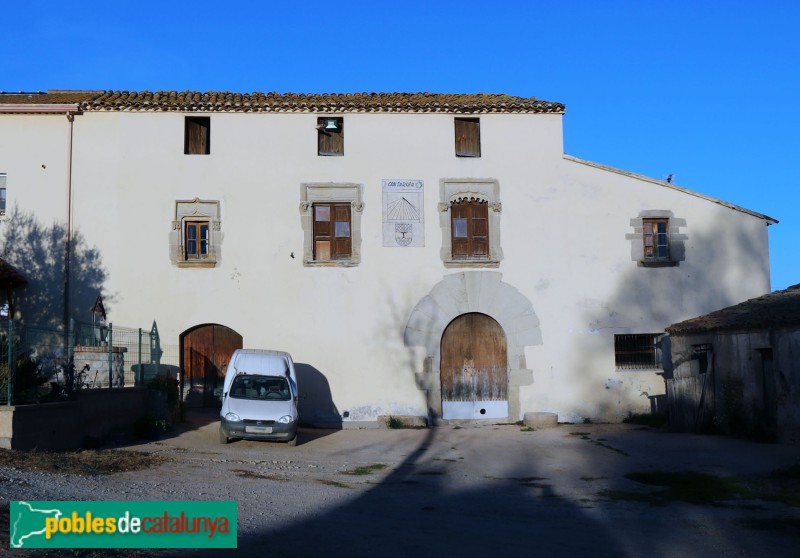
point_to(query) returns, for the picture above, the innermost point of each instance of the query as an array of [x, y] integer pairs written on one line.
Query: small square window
[[196, 235], [468, 137], [330, 136], [637, 351], [197, 135]]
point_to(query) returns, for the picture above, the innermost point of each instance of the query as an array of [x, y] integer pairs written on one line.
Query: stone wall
[[86, 421]]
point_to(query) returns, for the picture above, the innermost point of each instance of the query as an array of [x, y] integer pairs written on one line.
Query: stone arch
[[462, 293]]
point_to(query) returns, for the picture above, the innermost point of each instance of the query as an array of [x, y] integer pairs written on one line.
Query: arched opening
[[474, 368], [205, 352]]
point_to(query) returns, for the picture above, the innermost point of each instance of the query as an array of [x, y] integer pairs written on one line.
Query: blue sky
[[704, 90]]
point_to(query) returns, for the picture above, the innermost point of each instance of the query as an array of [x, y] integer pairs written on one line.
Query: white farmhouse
[[418, 254]]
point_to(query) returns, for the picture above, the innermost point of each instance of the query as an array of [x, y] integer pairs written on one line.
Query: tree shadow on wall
[[714, 274], [37, 251]]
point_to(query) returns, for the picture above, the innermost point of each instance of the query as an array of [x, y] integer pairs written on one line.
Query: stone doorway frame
[[462, 293]]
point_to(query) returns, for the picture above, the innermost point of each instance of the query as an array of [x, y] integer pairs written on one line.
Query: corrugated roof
[[774, 310], [224, 101]]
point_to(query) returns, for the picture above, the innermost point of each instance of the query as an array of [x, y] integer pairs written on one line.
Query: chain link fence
[[87, 356]]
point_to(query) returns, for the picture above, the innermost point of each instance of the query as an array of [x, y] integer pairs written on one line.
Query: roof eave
[[40, 108], [663, 183]]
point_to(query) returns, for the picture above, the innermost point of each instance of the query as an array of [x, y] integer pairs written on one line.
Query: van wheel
[[293, 442], [223, 439]]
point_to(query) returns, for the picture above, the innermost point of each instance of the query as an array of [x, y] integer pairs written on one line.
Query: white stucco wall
[[564, 224]]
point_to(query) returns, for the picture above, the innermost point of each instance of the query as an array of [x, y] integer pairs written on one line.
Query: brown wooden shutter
[[332, 231], [197, 136], [469, 229], [468, 137], [480, 230], [459, 227], [341, 231], [330, 141]]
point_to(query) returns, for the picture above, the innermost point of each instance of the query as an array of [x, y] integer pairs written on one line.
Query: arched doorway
[[474, 368], [205, 353]]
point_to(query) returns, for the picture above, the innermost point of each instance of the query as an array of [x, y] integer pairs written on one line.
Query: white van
[[259, 397]]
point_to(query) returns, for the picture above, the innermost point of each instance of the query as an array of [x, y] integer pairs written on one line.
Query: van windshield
[[266, 388]]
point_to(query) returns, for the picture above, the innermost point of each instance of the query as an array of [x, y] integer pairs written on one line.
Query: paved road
[[468, 491]]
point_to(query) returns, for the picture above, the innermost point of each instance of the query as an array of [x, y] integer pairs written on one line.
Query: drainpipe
[[70, 109], [68, 240]]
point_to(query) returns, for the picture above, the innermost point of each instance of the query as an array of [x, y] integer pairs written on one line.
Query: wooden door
[[206, 351], [474, 370]]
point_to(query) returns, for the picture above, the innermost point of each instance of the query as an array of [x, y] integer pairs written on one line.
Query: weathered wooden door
[[474, 370], [206, 351]]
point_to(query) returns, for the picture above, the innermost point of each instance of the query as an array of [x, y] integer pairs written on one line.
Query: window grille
[[637, 351]]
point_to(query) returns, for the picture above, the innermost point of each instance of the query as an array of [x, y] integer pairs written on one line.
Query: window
[[332, 231], [655, 233], [468, 137], [658, 238], [330, 136], [2, 194], [637, 351], [330, 214], [469, 217], [196, 240], [196, 237], [470, 229], [197, 135]]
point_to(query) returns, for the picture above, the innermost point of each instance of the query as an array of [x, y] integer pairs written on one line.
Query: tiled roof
[[51, 97], [219, 101], [774, 310]]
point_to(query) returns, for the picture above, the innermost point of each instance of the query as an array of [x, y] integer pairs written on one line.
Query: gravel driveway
[[460, 491]]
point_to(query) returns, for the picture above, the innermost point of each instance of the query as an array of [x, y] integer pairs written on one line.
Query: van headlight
[[232, 417], [285, 419]]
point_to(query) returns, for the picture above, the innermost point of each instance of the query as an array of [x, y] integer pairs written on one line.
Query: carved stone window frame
[[488, 190], [331, 192], [193, 211], [676, 242]]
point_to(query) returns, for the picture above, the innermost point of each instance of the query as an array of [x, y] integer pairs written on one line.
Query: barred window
[[637, 351]]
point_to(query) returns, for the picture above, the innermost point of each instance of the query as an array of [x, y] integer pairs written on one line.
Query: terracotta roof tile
[[774, 310], [50, 97], [224, 101]]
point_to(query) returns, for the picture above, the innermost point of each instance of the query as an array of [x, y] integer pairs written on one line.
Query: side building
[[417, 254]]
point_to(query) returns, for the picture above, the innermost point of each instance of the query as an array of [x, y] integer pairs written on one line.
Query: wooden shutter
[[332, 231], [330, 141], [469, 221], [197, 137], [341, 232], [468, 137]]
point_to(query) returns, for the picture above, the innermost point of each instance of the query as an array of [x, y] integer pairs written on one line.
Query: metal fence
[[86, 356]]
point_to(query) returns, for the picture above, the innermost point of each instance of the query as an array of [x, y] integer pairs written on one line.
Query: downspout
[[68, 240]]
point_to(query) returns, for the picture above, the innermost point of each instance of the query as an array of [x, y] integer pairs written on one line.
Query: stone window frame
[[331, 192], [196, 210], [676, 243], [486, 189]]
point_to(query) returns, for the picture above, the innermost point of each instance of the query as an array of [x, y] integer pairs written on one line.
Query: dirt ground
[[457, 490]]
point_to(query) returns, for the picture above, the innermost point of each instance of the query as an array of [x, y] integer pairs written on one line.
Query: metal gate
[[205, 353], [474, 369]]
